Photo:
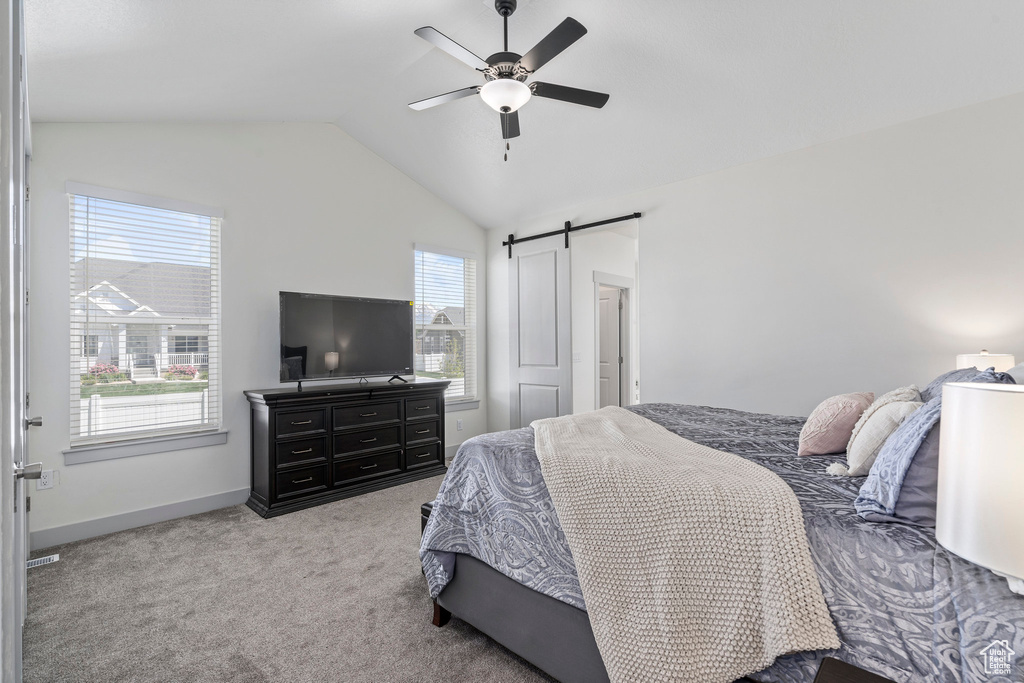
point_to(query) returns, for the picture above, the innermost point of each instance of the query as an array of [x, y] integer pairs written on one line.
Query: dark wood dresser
[[317, 445]]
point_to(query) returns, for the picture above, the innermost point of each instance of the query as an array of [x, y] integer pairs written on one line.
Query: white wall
[[604, 251], [860, 264], [306, 209]]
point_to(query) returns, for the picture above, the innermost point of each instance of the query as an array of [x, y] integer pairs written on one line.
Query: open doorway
[[605, 337]]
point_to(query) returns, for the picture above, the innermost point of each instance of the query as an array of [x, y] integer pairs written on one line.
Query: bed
[[904, 607]]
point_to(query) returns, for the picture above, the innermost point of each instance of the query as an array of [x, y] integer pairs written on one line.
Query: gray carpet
[[333, 593]]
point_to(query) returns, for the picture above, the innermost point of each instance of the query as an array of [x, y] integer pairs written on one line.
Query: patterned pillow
[[934, 387], [830, 425], [883, 497], [910, 393], [865, 443]]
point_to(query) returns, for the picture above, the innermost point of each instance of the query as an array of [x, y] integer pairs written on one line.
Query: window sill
[[457, 406], [78, 455]]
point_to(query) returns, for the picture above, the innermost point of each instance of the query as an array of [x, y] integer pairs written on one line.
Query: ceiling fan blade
[[564, 35], [509, 125], [447, 97], [587, 98], [438, 39]]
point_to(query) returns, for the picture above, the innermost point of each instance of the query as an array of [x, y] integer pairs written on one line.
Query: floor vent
[[41, 561]]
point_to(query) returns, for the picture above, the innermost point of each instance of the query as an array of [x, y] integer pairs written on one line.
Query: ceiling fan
[[505, 89]]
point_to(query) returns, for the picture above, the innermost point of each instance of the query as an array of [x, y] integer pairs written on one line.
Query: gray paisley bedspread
[[903, 606]]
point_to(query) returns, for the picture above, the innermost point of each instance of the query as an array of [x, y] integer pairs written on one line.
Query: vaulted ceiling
[[695, 85]]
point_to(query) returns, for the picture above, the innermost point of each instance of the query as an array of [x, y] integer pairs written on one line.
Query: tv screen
[[339, 336]]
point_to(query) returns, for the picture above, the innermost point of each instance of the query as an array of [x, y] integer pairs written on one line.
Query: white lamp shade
[[980, 510], [984, 360], [505, 92], [331, 360]]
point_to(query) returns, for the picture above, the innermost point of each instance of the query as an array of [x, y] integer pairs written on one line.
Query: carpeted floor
[[333, 593]]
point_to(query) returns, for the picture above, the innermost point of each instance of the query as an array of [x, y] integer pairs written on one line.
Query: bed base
[[550, 634]]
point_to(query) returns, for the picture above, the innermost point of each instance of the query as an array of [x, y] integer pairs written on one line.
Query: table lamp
[[985, 360], [331, 361], [980, 508]]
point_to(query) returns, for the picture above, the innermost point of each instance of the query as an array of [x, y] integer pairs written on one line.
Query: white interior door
[[13, 340], [540, 328], [609, 354]]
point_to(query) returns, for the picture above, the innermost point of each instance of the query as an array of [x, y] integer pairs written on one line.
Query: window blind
[[445, 325], [145, 320]]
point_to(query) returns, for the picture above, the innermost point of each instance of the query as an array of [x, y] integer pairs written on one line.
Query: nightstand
[[834, 671]]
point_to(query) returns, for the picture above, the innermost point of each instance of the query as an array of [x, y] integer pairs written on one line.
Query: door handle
[[33, 422], [32, 471]]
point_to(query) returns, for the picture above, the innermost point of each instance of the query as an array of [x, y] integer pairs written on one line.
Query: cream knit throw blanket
[[693, 562]]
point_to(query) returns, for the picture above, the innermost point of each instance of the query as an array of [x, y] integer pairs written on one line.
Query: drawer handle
[[367, 414], [368, 440], [308, 450], [306, 422], [302, 481], [368, 467], [423, 431], [422, 455], [422, 407]]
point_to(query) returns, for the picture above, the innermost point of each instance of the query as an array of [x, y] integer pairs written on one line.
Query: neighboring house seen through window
[[145, 317], [445, 323]]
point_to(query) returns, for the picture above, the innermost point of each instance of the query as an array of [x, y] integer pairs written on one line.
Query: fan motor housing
[[505, 65]]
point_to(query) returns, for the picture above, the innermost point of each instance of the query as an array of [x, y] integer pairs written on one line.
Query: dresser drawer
[[301, 422], [303, 450], [366, 439], [417, 408], [301, 481], [366, 467], [356, 416], [420, 456], [421, 431]]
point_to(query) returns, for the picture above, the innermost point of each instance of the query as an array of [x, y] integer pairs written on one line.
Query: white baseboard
[[44, 538]]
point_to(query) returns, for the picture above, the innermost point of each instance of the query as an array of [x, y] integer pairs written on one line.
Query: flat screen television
[[327, 337]]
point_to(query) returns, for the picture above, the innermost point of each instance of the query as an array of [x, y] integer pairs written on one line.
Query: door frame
[[627, 287], [14, 144]]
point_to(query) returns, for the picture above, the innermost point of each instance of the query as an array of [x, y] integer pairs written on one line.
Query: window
[[90, 345], [445, 325], [145, 316], [186, 344]]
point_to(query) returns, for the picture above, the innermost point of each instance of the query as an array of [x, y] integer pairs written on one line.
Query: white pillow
[[1017, 373], [861, 453], [911, 393]]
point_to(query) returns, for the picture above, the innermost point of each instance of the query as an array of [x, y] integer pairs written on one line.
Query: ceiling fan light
[[505, 95]]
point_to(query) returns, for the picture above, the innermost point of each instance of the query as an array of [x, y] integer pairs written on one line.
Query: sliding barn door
[[540, 321]]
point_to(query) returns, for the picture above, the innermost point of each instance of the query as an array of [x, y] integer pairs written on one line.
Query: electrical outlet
[[45, 481], [458, 425]]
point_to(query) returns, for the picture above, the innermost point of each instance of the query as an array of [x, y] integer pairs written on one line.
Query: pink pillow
[[829, 427]]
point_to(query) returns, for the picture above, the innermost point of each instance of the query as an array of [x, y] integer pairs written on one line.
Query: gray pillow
[[903, 482], [935, 387], [916, 504], [1017, 373]]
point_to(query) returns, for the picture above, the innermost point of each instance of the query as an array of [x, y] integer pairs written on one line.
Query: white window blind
[[445, 338], [145, 318]]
